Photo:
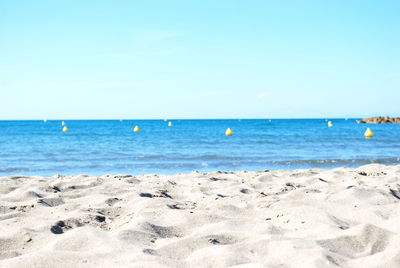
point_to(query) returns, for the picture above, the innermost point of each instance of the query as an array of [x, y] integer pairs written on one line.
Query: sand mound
[[302, 218]]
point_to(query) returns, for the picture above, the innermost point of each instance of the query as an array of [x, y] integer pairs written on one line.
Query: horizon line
[[169, 119]]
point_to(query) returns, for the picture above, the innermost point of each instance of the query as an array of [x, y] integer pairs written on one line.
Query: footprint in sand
[[367, 241], [96, 220]]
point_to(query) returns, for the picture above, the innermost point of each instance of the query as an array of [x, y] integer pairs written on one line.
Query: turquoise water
[[109, 146]]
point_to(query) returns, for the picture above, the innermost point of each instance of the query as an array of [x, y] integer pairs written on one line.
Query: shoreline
[[346, 217], [390, 162]]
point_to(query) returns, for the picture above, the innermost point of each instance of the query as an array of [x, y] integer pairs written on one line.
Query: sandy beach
[[300, 218]]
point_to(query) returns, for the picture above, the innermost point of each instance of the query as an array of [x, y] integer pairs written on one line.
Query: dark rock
[[244, 191], [396, 194], [213, 241], [55, 229], [380, 120], [175, 206], [146, 195], [60, 223], [164, 193], [149, 251], [100, 218], [56, 189]]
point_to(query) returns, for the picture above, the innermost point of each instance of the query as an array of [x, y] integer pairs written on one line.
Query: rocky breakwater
[[380, 120]]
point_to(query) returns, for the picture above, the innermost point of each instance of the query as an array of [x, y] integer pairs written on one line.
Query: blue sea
[[110, 146]]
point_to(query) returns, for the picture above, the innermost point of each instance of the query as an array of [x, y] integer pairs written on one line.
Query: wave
[[338, 162]]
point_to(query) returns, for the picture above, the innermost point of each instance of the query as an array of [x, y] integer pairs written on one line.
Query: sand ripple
[[302, 218]]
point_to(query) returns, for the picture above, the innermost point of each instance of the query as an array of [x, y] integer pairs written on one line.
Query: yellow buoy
[[136, 129], [63, 123], [165, 120], [368, 133], [169, 123], [228, 132], [65, 129], [330, 124]]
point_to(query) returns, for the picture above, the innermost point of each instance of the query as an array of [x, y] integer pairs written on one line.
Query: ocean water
[[109, 146]]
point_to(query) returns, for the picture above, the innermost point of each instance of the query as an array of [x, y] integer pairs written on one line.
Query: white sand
[[303, 218]]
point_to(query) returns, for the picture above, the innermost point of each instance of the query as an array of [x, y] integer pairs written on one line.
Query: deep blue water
[[110, 146]]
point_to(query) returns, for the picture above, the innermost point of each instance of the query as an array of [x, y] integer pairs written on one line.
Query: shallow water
[[109, 146]]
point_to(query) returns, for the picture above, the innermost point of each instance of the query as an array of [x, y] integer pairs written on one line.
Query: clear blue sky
[[199, 59]]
